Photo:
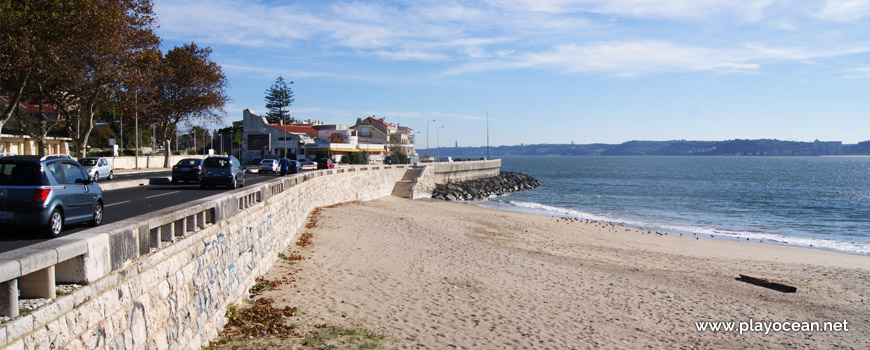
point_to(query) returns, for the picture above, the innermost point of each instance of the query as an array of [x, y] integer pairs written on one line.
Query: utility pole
[[427, 138], [438, 141]]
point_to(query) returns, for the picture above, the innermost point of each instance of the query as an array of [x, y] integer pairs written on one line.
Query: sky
[[547, 71]]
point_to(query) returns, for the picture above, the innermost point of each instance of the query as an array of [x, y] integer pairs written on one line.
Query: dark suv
[[222, 171], [47, 192]]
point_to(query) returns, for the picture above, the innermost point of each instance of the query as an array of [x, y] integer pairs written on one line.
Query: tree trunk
[[167, 152]]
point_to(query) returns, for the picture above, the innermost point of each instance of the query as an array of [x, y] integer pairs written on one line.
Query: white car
[[98, 168], [268, 166]]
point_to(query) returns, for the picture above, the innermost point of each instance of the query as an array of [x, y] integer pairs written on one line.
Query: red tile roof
[[380, 121], [306, 129]]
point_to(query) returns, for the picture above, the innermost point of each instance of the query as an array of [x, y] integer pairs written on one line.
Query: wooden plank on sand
[[767, 284]]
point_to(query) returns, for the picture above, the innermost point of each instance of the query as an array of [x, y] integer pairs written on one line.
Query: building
[[374, 130], [827, 148], [13, 139], [263, 140]]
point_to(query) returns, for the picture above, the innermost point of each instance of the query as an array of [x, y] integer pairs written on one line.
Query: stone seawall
[[164, 280], [440, 173], [175, 297]]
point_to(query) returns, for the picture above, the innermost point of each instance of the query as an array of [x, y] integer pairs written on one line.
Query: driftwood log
[[767, 284]]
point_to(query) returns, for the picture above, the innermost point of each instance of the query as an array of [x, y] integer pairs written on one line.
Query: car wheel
[[98, 215], [96, 176], [55, 224], [111, 175], [233, 183], [202, 186], [174, 180]]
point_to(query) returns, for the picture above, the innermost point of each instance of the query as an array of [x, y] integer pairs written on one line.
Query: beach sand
[[441, 275]]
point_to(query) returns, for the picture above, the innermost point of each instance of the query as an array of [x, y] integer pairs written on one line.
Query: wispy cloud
[[633, 58], [844, 10], [571, 36]]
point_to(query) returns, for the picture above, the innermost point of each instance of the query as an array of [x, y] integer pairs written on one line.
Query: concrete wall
[[164, 280], [147, 161], [175, 295], [440, 173]]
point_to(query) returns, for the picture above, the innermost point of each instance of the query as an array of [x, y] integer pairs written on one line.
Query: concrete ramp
[[404, 188]]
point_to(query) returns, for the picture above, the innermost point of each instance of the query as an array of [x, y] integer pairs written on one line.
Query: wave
[[716, 233]]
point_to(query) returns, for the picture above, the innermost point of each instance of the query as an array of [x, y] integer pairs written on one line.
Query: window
[[54, 169], [73, 174]]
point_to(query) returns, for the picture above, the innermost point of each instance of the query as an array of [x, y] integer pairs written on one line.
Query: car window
[[88, 162], [188, 162], [54, 169], [18, 174], [72, 173], [103, 162], [216, 163]]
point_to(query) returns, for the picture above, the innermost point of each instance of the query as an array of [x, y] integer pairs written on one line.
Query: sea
[[818, 202]]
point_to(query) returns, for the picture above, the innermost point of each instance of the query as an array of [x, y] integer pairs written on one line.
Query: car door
[[79, 200]]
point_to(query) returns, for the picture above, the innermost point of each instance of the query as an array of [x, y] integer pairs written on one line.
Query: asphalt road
[[137, 176], [126, 203]]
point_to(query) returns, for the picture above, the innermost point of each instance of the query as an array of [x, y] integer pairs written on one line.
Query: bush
[[130, 152], [107, 153], [356, 158]]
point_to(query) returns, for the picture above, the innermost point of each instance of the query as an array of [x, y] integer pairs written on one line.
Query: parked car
[[48, 192], [98, 168], [288, 166], [269, 166], [325, 163], [222, 171], [446, 159], [306, 161], [188, 169]]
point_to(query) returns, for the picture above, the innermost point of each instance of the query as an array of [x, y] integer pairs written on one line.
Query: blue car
[[222, 171], [288, 166], [49, 193]]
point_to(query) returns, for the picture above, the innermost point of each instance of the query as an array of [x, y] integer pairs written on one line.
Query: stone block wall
[[440, 173], [176, 296]]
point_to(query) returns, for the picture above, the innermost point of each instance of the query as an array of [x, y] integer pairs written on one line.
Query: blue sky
[[548, 71]]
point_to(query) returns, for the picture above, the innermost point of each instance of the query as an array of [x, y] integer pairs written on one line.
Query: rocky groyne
[[505, 182]]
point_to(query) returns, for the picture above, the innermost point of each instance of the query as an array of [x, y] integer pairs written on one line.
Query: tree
[[189, 88], [279, 97], [68, 54]]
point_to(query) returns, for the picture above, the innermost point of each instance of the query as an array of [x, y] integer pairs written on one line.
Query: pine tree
[[278, 98]]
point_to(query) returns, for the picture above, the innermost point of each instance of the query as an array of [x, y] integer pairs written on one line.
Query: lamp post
[[487, 135], [282, 122], [427, 137], [438, 141]]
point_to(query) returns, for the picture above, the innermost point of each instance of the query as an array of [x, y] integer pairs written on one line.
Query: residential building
[[13, 139]]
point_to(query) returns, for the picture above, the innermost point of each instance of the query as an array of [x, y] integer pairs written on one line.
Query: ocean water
[[819, 202]]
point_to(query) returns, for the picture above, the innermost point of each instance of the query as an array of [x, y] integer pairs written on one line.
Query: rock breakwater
[[505, 182]]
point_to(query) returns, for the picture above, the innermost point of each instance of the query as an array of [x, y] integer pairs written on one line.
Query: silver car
[[98, 168], [269, 166]]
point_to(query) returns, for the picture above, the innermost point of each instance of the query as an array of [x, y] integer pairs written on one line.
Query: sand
[[441, 275]]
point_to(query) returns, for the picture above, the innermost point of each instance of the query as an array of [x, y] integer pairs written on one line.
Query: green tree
[[278, 98], [68, 55], [188, 87]]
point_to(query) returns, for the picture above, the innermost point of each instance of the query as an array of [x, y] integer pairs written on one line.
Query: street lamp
[[284, 93], [438, 140], [427, 137]]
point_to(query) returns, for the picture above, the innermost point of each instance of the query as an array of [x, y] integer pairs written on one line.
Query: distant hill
[[737, 147]]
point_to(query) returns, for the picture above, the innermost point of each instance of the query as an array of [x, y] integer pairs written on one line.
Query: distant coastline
[[737, 147]]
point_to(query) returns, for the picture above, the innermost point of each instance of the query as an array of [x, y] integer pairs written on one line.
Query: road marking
[[109, 205], [158, 195]]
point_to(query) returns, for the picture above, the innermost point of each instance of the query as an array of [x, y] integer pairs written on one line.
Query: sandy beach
[[441, 275]]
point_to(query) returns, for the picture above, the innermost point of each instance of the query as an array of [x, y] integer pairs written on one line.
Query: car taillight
[[197, 168], [40, 194], [175, 168]]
